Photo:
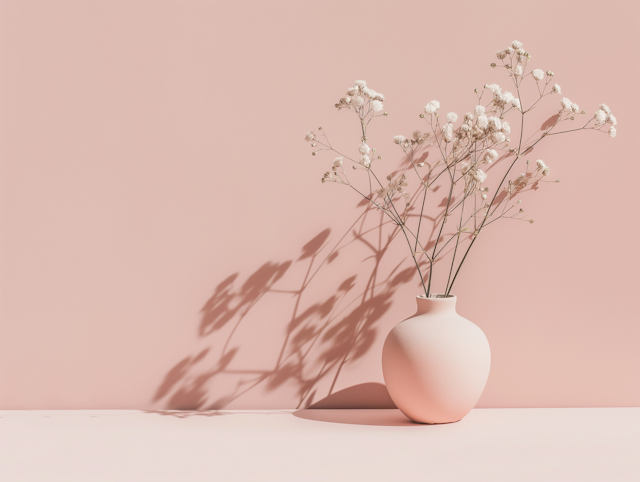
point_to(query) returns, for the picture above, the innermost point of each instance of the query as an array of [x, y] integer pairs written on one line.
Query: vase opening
[[436, 303]]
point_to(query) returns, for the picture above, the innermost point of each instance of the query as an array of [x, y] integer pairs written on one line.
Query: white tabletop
[[566, 444]]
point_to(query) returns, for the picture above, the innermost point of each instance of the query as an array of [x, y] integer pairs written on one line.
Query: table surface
[[521, 444]]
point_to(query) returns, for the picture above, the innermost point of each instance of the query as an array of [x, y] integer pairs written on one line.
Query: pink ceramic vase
[[436, 363]]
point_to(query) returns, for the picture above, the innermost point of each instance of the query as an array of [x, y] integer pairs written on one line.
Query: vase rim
[[436, 296]]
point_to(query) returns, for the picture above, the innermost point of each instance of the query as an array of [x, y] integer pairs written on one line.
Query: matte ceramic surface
[[436, 363]]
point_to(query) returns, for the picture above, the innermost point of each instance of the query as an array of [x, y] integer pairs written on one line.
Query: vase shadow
[[378, 417], [364, 395]]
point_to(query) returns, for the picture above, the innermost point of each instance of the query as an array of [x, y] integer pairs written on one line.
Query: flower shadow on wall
[[319, 336]]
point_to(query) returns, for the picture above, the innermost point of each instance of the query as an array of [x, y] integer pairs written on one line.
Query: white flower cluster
[[472, 174], [431, 107], [364, 151], [604, 116], [480, 127], [360, 96], [518, 58], [502, 99], [567, 106], [395, 186]]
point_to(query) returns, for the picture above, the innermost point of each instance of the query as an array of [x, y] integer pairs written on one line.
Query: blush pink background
[[166, 242]]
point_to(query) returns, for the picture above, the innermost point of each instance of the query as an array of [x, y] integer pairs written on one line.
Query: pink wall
[[166, 242]]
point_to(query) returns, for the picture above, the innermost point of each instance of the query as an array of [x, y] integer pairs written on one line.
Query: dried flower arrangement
[[480, 140]]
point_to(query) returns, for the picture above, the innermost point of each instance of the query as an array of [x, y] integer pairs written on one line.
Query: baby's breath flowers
[[468, 148]]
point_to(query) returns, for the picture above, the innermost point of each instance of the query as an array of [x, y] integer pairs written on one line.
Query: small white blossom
[[436, 103], [452, 117], [611, 119], [447, 132], [575, 108], [538, 74], [507, 97], [490, 156], [501, 54], [358, 100], [600, 116], [516, 45], [516, 104], [337, 162], [605, 108], [310, 136], [612, 132], [360, 83], [556, 89], [478, 175], [483, 121], [518, 71], [376, 105], [398, 139], [495, 123], [479, 110], [498, 137], [540, 163], [506, 128], [365, 161], [430, 108], [495, 88], [364, 148], [351, 91], [566, 104]]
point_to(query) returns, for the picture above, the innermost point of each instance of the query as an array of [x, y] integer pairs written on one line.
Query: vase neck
[[436, 305]]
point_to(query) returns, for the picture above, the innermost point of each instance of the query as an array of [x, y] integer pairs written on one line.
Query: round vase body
[[436, 363]]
